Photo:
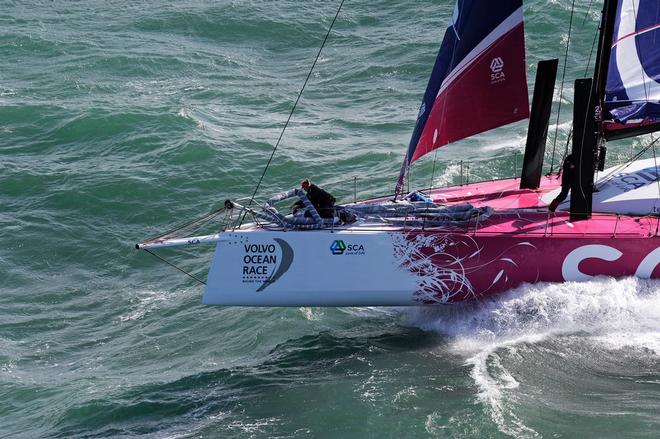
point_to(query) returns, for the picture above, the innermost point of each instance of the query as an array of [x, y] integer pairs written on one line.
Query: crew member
[[323, 202], [566, 177]]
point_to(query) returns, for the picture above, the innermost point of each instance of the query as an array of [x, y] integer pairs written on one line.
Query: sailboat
[[476, 240]]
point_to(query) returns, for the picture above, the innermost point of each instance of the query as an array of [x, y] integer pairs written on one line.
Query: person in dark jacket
[[566, 176], [321, 199]]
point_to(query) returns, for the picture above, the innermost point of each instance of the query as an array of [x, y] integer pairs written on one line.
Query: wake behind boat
[[444, 245]]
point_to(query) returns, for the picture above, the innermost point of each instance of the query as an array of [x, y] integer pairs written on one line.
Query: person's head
[[305, 184]]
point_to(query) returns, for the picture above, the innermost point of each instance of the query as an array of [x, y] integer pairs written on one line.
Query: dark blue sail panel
[[479, 79], [632, 91]]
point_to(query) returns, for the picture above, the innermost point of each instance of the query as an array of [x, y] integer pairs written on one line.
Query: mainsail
[[479, 78], [632, 91]]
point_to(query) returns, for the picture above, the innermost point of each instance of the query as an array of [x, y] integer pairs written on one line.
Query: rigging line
[[197, 221], [561, 88], [172, 265], [286, 124], [586, 14], [655, 161], [591, 53], [444, 103], [435, 156], [408, 166], [586, 70], [629, 162]]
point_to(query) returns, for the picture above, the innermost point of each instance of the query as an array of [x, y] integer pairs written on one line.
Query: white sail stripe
[[639, 86], [507, 25]]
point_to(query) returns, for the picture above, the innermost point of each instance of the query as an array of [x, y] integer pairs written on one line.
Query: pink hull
[[467, 267], [523, 242]]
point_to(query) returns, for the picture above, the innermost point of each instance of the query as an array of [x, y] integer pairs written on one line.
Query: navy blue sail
[[478, 81], [632, 90]]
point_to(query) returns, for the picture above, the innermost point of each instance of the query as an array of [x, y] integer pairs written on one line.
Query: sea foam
[[610, 313]]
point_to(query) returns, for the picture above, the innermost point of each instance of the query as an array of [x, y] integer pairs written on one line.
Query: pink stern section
[[523, 242]]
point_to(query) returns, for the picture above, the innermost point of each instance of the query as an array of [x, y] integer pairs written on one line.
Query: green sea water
[[119, 120]]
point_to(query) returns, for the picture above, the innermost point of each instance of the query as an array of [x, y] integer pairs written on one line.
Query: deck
[[522, 212]]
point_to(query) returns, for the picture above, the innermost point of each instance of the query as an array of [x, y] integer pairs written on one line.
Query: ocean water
[[121, 119]]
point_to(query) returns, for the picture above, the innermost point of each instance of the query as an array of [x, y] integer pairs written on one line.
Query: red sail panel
[[488, 90]]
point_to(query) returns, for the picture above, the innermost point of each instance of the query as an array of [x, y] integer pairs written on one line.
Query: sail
[[632, 90], [479, 78]]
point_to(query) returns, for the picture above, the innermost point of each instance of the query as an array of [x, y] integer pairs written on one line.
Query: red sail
[[489, 92], [479, 78]]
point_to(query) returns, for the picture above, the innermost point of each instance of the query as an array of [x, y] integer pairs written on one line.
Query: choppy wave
[[593, 325], [119, 120]]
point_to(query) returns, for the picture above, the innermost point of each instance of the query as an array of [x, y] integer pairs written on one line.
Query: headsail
[[632, 91], [479, 78]]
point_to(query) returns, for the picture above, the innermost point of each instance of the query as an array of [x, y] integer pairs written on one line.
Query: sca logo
[[497, 67], [337, 247]]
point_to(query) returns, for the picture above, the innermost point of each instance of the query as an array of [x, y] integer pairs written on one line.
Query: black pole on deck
[[537, 133], [584, 149]]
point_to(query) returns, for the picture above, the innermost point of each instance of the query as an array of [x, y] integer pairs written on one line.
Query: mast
[[608, 19], [587, 120], [585, 143]]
